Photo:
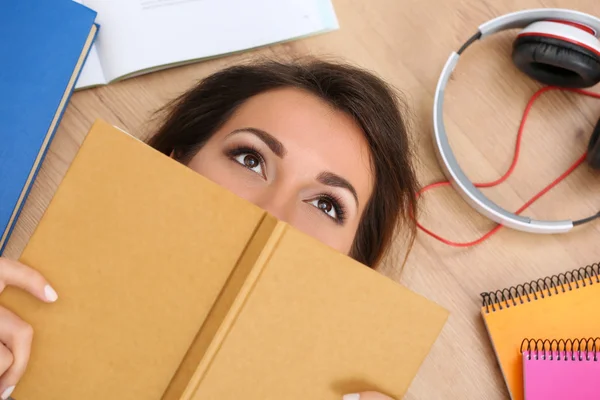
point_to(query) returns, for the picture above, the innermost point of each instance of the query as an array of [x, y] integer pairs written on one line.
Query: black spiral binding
[[541, 288], [561, 350]]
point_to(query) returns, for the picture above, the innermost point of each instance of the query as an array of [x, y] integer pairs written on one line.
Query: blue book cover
[[43, 46]]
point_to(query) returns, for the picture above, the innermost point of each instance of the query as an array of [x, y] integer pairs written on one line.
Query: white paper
[[91, 73], [140, 35]]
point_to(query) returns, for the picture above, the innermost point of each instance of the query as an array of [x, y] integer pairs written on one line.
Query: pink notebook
[[561, 370]]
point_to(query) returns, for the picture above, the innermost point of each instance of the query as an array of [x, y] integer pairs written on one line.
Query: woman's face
[[292, 154]]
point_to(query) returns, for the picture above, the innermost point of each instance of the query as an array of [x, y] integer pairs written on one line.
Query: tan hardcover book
[[173, 288]]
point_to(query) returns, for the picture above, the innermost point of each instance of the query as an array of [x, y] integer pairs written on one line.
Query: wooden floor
[[407, 42]]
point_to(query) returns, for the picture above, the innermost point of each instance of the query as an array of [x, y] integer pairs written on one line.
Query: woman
[[323, 146]]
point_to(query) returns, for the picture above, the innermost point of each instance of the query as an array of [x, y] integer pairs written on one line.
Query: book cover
[[43, 45], [172, 287], [561, 369], [553, 307]]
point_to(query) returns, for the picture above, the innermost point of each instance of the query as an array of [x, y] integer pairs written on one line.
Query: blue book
[[43, 46]]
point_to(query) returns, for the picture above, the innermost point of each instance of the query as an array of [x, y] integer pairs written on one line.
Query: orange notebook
[[555, 307], [170, 287]]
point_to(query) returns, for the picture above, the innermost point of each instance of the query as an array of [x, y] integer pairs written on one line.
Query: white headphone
[[555, 47]]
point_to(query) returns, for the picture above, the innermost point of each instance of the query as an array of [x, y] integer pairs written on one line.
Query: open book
[[140, 36], [171, 287]]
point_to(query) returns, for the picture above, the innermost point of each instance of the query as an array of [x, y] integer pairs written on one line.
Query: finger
[[366, 396], [6, 359], [16, 335], [16, 274]]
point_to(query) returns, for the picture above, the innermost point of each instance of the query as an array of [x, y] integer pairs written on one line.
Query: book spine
[[222, 317]]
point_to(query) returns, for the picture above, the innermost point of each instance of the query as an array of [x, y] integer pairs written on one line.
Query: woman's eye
[[250, 161], [326, 206]]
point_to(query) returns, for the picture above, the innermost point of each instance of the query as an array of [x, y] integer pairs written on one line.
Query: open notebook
[[171, 287], [140, 36], [562, 369], [561, 306]]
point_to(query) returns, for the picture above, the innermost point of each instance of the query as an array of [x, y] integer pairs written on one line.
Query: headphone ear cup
[[593, 154], [556, 62]]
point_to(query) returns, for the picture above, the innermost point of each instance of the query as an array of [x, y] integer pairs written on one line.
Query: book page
[[141, 35], [91, 73]]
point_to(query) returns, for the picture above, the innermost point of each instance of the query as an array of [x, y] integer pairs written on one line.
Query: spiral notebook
[[562, 369], [561, 306]]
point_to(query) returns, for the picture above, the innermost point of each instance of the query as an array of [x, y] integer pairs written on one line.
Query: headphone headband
[[450, 166], [521, 19]]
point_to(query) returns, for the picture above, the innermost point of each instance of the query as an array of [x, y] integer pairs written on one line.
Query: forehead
[[314, 133]]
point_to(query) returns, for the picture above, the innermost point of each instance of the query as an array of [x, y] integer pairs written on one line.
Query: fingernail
[[353, 396], [50, 293], [6, 394]]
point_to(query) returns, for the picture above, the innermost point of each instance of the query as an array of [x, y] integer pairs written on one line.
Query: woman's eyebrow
[[331, 179], [275, 145]]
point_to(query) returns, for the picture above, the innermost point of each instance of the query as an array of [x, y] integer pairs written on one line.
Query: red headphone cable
[[510, 170]]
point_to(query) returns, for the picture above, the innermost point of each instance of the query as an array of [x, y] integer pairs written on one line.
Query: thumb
[[366, 396]]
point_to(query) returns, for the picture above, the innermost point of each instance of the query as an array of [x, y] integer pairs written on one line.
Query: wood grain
[[407, 43]]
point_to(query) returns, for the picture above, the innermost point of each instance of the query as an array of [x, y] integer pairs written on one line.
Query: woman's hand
[[16, 334], [366, 396]]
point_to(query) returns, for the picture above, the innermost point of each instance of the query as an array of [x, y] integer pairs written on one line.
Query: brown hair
[[192, 118]]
